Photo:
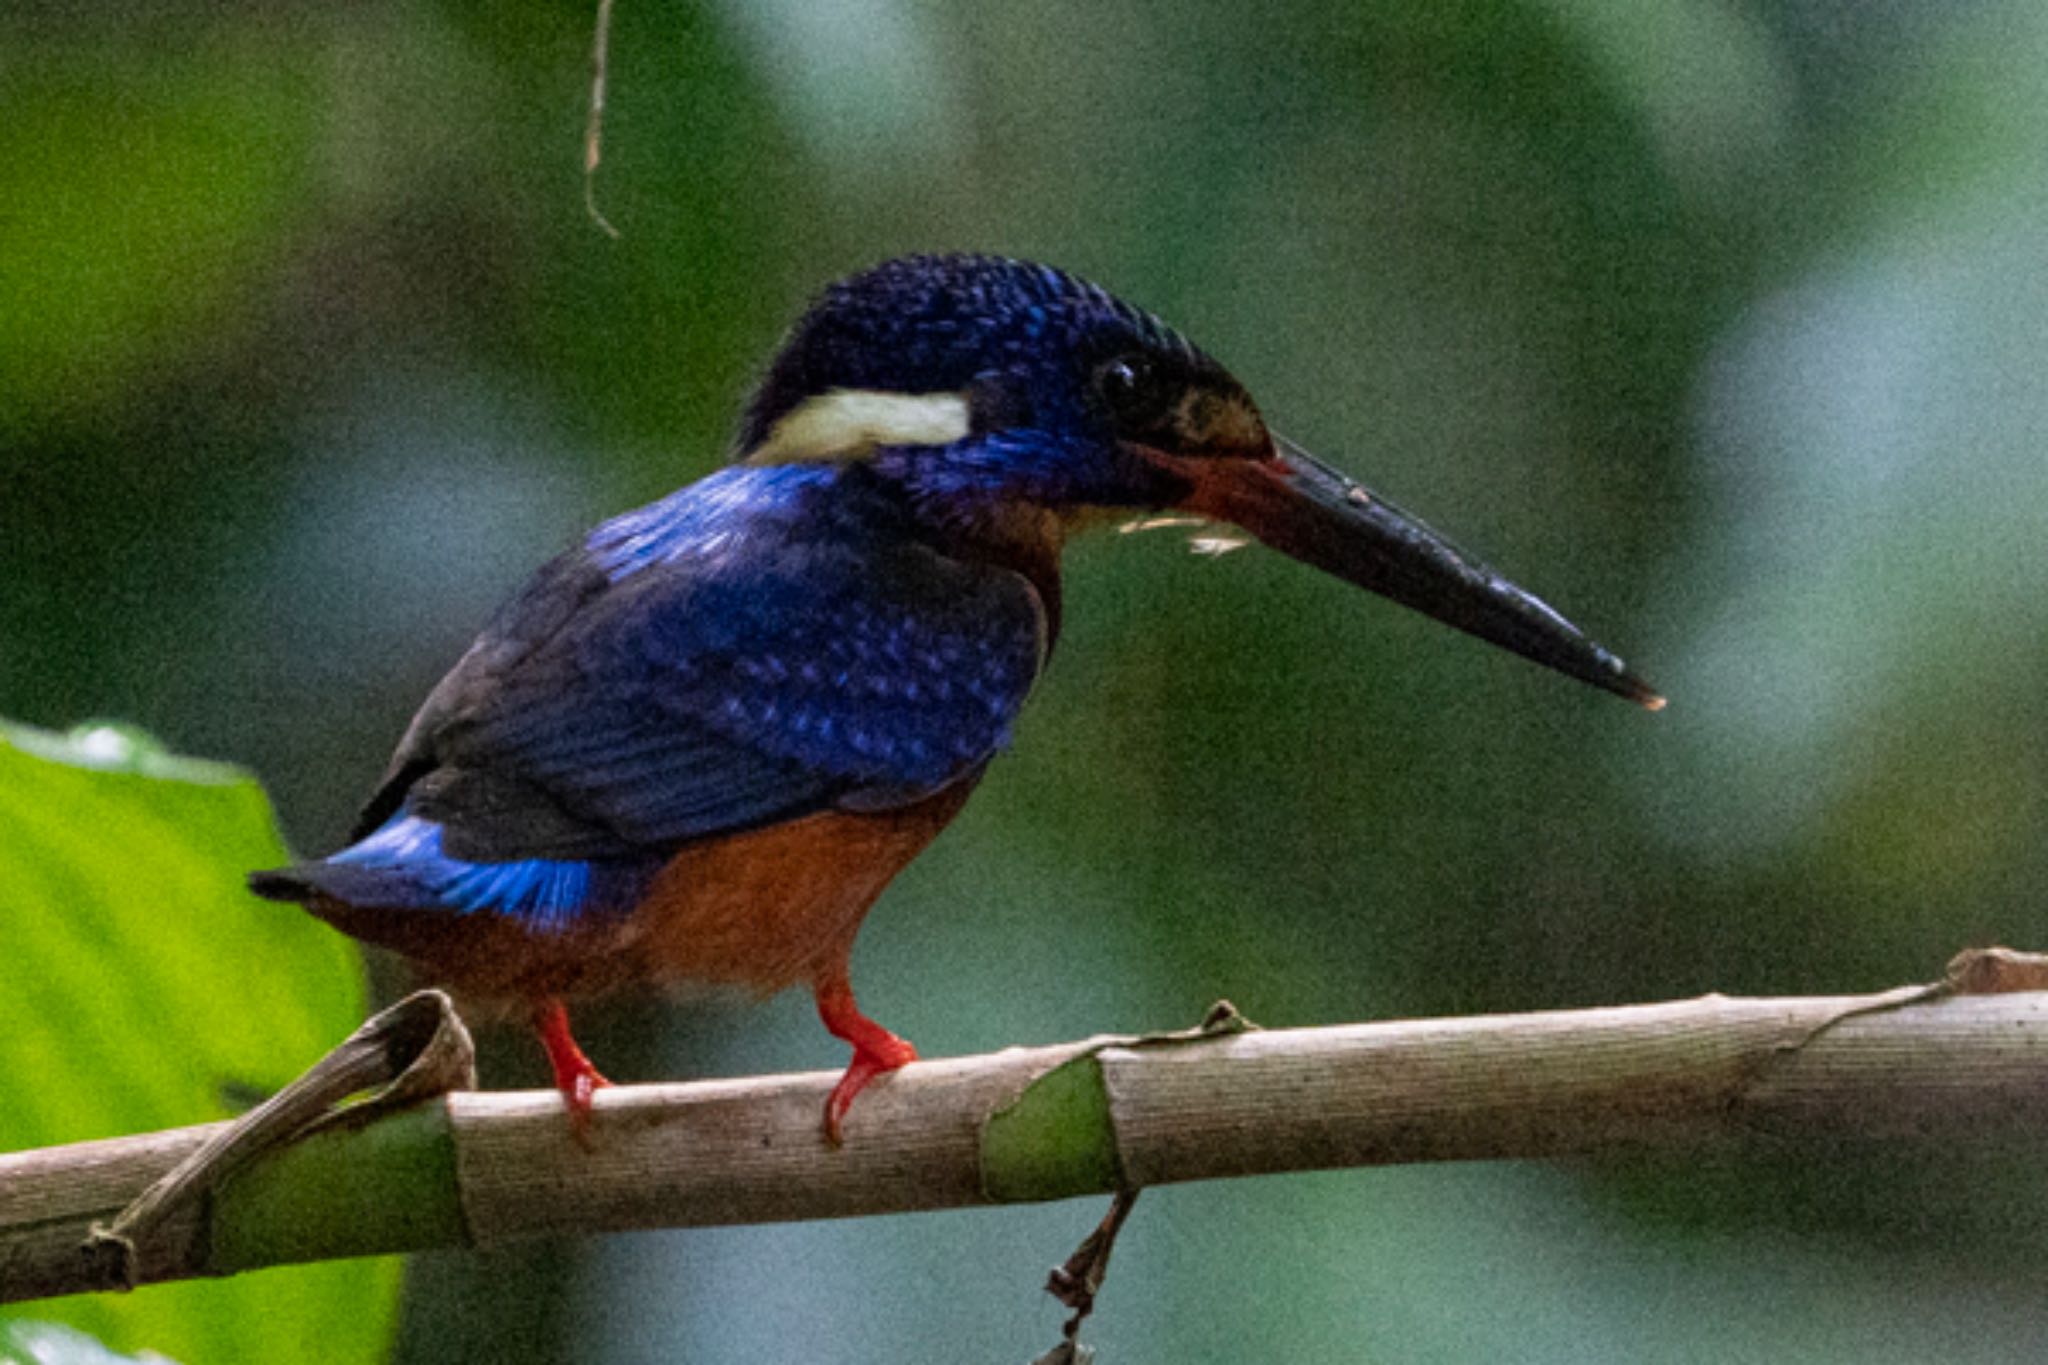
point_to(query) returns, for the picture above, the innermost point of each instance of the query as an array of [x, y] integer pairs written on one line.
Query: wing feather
[[782, 657]]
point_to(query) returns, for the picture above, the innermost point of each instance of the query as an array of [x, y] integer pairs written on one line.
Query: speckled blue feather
[[764, 643], [707, 521], [798, 619]]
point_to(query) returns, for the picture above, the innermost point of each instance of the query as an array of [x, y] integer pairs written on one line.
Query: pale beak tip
[[1624, 682]]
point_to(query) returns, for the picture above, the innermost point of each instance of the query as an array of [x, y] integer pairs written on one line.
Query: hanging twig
[[593, 128], [1077, 1280]]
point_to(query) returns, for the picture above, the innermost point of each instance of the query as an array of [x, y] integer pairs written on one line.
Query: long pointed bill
[[1302, 507]]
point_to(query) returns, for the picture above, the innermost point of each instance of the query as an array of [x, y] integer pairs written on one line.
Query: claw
[[876, 1050], [865, 1066], [575, 1076]]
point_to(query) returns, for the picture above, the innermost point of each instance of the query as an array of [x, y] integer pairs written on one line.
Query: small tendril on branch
[[593, 129]]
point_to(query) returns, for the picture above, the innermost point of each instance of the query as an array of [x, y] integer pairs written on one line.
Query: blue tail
[[401, 867]]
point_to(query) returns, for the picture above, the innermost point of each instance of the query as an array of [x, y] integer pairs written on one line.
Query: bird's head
[[981, 385]]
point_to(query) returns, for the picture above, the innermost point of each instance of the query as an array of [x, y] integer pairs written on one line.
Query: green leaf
[[1055, 1140], [147, 989]]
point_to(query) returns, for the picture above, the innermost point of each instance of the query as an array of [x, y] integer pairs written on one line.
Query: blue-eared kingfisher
[[696, 746]]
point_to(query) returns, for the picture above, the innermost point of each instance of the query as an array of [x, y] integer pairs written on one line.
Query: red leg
[[875, 1049], [575, 1077]]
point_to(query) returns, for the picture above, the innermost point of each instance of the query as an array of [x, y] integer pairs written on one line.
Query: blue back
[[767, 642]]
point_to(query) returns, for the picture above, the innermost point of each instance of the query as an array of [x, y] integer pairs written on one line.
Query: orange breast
[[772, 907]]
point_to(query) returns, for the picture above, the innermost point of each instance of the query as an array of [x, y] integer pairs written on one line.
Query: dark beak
[[1302, 507]]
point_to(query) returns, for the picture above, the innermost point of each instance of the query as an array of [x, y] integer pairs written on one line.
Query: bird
[[697, 745]]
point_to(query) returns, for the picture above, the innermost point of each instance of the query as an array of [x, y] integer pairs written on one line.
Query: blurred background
[[1721, 325]]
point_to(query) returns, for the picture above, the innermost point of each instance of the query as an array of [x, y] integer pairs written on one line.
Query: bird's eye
[[1131, 389]]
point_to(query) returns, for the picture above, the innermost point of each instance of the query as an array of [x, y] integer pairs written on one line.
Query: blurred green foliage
[[147, 989], [1715, 322]]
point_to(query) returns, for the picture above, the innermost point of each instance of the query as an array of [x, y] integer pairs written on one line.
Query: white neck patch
[[849, 424]]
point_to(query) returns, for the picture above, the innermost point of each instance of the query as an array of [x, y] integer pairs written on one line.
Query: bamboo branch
[[469, 1169]]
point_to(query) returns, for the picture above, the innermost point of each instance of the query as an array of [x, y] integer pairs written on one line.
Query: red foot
[[865, 1067], [575, 1077], [875, 1049]]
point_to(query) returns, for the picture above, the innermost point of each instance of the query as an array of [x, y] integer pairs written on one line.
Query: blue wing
[[765, 643]]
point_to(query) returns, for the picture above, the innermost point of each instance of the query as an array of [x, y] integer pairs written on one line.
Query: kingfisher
[[696, 746]]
